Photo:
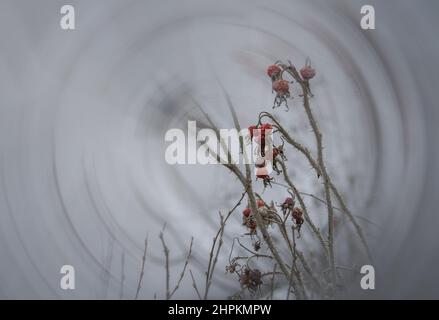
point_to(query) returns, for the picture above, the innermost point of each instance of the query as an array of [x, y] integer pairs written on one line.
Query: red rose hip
[[246, 212], [307, 73], [281, 86], [273, 71]]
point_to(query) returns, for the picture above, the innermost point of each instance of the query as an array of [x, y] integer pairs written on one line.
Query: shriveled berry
[[297, 214], [307, 73], [247, 212], [252, 225], [260, 203], [289, 201], [273, 71], [262, 173], [281, 86]]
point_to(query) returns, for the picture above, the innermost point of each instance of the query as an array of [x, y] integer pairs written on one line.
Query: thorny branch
[[304, 279]]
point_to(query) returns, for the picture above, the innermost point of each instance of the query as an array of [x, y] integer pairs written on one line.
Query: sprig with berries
[[264, 221]]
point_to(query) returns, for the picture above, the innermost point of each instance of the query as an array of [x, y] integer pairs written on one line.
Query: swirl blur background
[[83, 116]]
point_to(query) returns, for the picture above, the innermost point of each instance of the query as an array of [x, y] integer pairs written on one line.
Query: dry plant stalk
[[169, 292], [258, 217], [142, 269], [301, 275]]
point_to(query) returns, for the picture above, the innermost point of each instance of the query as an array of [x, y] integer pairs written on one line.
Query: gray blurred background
[[83, 115]]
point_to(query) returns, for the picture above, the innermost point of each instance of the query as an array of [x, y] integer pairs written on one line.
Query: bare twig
[[255, 254], [308, 219], [194, 285], [219, 234], [307, 153], [122, 275], [184, 269], [272, 282], [142, 269], [339, 209], [319, 141], [166, 251], [214, 258]]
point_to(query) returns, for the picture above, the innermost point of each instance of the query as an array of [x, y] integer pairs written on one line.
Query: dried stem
[[214, 258], [166, 251], [122, 275], [272, 282], [306, 152], [248, 186], [314, 229], [142, 269], [326, 182], [351, 219], [219, 234], [184, 269], [194, 285]]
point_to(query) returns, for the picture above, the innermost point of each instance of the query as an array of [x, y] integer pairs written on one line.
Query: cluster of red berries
[[282, 86], [279, 85], [288, 207], [248, 219]]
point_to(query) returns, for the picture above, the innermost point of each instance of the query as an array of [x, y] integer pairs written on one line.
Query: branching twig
[[314, 229], [307, 153], [248, 186]]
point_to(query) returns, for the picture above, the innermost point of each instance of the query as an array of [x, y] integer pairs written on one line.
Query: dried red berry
[[251, 224], [251, 279], [260, 203], [231, 268], [287, 206], [273, 71], [298, 218], [307, 73], [281, 86], [262, 173], [247, 212], [297, 213]]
